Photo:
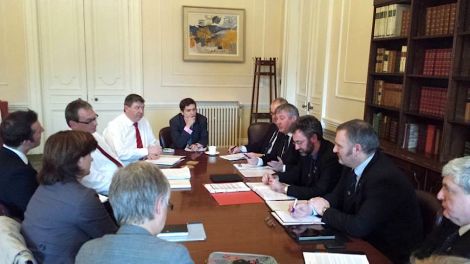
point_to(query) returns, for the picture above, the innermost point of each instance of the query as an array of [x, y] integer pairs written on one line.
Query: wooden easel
[[263, 67]]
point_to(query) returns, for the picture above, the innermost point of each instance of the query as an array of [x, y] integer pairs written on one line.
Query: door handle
[[309, 106]]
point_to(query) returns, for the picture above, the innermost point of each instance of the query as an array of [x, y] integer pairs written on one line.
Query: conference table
[[239, 228]]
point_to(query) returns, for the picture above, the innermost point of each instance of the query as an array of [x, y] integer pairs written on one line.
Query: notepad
[[279, 205], [177, 173], [227, 187], [265, 192], [334, 258], [285, 219]]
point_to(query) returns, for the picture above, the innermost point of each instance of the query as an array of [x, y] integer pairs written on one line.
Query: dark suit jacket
[[180, 137], [311, 178], [60, 218], [286, 151], [383, 211], [434, 243], [17, 182]]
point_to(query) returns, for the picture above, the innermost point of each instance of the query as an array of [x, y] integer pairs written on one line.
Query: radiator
[[223, 122]]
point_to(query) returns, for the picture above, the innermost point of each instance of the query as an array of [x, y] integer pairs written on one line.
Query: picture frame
[[213, 34]]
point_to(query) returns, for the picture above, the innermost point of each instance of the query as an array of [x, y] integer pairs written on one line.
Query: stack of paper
[[248, 170], [266, 193], [232, 157], [200, 149], [177, 173], [334, 258], [227, 187], [167, 160], [285, 218], [180, 184], [196, 232]]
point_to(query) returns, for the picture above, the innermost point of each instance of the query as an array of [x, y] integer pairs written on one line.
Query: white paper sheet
[[177, 173], [334, 258], [265, 192]]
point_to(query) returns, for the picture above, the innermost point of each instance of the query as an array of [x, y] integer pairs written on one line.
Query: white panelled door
[[91, 50], [305, 53]]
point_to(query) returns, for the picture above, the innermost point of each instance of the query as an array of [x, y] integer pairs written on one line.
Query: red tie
[[138, 139], [106, 154]]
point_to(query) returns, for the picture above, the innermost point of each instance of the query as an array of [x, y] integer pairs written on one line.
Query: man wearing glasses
[[80, 115], [318, 170]]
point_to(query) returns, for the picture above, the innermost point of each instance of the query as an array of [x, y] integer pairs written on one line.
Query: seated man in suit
[[21, 131], [139, 195], [283, 154], [188, 128], [130, 134], [265, 146], [373, 199], [318, 170], [452, 237], [79, 115]]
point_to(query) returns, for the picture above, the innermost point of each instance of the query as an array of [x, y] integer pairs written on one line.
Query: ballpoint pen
[[293, 206]]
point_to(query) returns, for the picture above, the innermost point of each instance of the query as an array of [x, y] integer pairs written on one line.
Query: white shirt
[[102, 169], [120, 136], [20, 154]]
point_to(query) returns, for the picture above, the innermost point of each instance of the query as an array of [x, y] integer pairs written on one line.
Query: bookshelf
[[418, 84]]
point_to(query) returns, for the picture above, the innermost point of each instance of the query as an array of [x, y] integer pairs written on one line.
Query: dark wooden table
[[238, 228]]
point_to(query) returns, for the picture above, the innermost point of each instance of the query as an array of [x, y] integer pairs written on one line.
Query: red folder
[[237, 198]]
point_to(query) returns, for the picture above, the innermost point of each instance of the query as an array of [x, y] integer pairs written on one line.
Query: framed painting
[[213, 34]]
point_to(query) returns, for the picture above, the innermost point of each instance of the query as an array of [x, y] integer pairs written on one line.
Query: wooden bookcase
[[423, 167]]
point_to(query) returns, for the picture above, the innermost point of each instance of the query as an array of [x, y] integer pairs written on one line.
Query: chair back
[[165, 137], [431, 210], [257, 131]]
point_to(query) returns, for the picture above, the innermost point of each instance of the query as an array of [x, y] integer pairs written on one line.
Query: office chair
[[165, 137], [431, 210], [257, 131]]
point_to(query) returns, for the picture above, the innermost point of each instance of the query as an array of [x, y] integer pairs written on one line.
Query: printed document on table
[[248, 170], [266, 193], [166, 160], [227, 187], [232, 157], [334, 258], [285, 218], [177, 173], [200, 149]]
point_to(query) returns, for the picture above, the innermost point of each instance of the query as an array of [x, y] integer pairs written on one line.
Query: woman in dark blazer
[[63, 214]]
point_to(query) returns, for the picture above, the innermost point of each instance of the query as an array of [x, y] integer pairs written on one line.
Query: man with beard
[[318, 170], [373, 199]]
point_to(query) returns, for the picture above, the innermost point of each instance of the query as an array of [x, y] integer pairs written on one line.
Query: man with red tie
[[80, 115], [130, 134]]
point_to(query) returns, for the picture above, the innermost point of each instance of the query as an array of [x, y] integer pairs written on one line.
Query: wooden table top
[[239, 228]]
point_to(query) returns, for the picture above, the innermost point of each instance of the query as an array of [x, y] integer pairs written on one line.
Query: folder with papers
[[285, 219], [334, 258], [177, 173], [233, 157], [167, 160], [227, 187]]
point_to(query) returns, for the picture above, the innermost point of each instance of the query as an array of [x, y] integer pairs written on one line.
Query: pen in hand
[[293, 206]]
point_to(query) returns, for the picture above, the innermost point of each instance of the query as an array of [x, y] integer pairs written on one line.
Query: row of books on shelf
[[385, 126], [422, 138], [392, 20], [387, 94], [390, 61], [432, 101], [440, 20], [437, 62]]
